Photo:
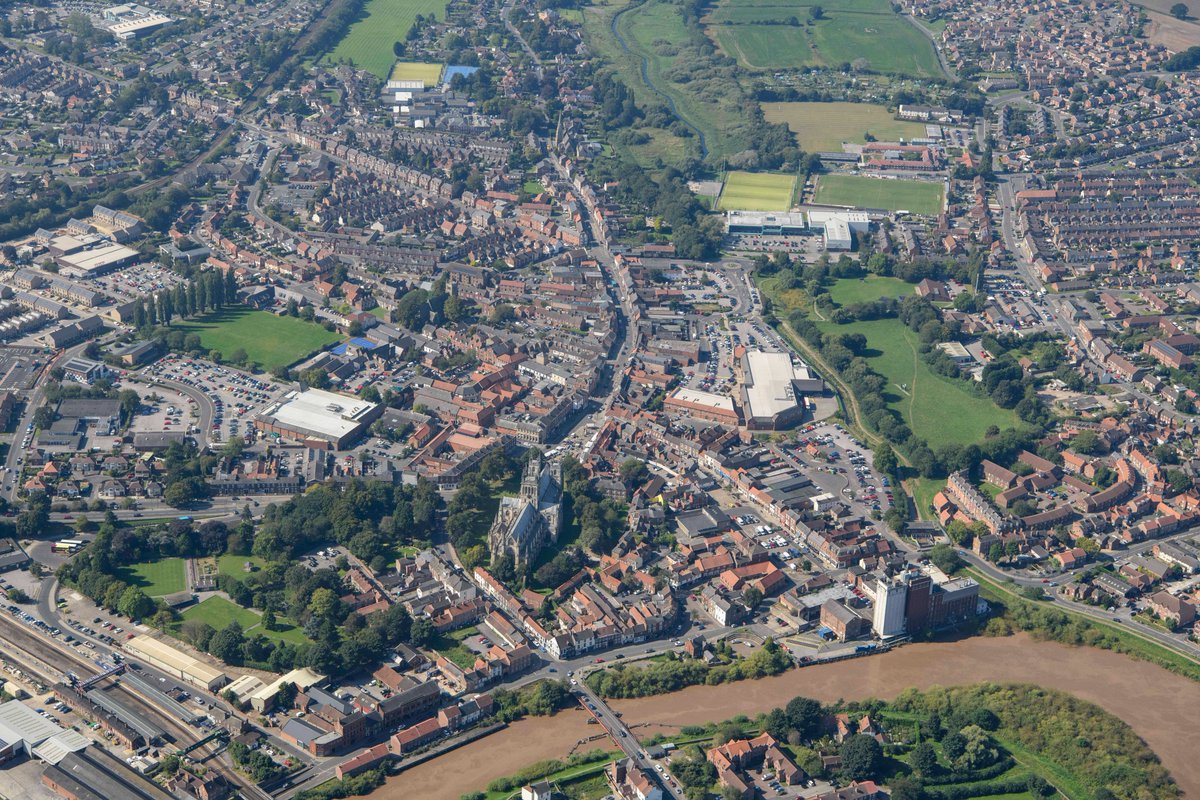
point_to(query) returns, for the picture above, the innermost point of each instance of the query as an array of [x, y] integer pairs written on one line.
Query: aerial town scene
[[600, 399]]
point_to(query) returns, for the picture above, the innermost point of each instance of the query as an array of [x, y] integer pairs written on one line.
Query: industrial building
[[131, 21], [22, 729], [95, 774], [702, 405], [838, 227], [913, 602], [774, 390], [315, 414], [263, 699], [96, 261], [175, 662]]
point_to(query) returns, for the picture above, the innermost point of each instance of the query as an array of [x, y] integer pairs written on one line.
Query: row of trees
[[670, 676], [208, 291]]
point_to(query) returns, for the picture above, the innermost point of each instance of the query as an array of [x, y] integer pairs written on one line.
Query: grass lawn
[[416, 71], [923, 490], [232, 566], [919, 197], [939, 410], [268, 340], [533, 187], [369, 41], [156, 578], [219, 612], [756, 33], [757, 191], [822, 127], [869, 289], [451, 646]]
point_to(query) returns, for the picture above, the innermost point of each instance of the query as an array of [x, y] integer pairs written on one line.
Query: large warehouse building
[[175, 662], [837, 227], [774, 390], [314, 414]]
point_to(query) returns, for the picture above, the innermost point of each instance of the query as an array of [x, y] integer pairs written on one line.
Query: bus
[[68, 546]]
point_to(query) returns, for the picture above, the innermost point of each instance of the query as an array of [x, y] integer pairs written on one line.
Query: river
[[1159, 705]]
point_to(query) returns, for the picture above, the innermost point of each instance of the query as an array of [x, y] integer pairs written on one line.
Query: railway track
[[53, 662]]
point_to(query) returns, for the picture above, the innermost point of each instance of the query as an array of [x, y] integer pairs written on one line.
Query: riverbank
[[1156, 703]]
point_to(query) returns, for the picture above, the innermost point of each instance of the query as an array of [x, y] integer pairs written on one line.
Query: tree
[[751, 597], [806, 716], [862, 757], [227, 643], [924, 759], [135, 604], [954, 745], [816, 12], [995, 553], [1179, 11]]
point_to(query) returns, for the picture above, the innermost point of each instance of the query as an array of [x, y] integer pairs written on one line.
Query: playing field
[[822, 127], [757, 191], [369, 41], [268, 340], [777, 34], [429, 74], [919, 197], [156, 578]]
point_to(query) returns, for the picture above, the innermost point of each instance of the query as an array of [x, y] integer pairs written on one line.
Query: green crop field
[[416, 71], [156, 578], [738, 11], [822, 127], [369, 41], [775, 34], [919, 197], [757, 191], [268, 340]]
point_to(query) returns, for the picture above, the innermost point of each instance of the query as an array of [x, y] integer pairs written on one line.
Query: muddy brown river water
[[1161, 706]]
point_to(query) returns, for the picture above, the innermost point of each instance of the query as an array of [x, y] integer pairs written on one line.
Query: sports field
[[369, 41], [429, 74], [156, 578], [919, 197], [268, 340], [757, 191], [822, 127], [777, 34]]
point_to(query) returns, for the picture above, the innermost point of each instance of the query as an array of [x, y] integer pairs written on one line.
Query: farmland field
[[416, 71], [822, 127], [156, 578], [919, 197], [369, 41], [268, 340], [777, 34], [757, 191]]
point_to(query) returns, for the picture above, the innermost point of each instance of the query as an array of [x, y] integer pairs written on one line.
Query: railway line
[[40, 656]]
